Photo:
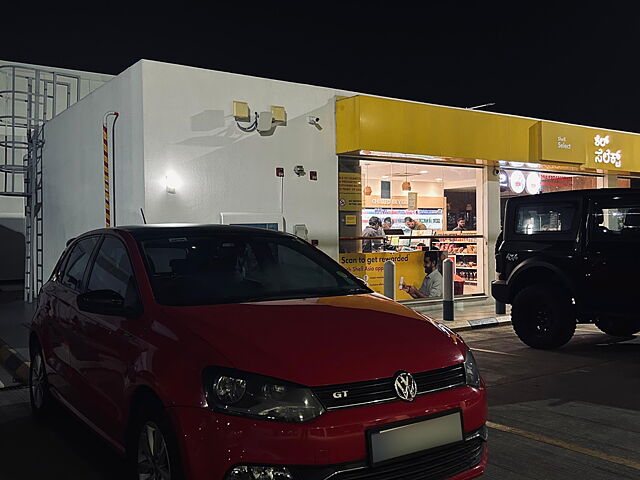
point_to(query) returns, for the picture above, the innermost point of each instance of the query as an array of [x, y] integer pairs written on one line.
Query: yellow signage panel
[[350, 220], [379, 124], [349, 191], [396, 126], [557, 142], [370, 268]]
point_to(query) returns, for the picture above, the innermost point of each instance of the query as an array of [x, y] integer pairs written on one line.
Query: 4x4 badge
[[406, 387], [512, 257]]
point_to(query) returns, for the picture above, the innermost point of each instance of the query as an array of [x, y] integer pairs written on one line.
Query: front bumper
[[500, 291], [330, 446]]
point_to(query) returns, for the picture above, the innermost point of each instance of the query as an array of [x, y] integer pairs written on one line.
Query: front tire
[[39, 394], [154, 455], [543, 317], [618, 328]]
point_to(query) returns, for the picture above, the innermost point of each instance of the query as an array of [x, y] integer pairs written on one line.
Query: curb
[[13, 363], [478, 323]]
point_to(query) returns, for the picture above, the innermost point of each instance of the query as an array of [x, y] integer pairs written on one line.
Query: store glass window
[[405, 212], [535, 219]]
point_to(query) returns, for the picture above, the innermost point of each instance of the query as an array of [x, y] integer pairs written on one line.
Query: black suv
[[570, 257]]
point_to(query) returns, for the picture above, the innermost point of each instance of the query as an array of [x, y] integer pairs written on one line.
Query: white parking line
[[493, 351]]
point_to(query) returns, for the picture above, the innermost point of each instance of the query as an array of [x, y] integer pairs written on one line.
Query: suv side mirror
[[102, 302]]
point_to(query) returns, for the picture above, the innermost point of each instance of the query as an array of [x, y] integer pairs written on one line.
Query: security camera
[[313, 120], [496, 171]]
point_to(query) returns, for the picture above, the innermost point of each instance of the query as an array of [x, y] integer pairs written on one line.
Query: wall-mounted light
[[170, 182]]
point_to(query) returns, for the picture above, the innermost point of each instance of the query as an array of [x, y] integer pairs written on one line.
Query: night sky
[[568, 63]]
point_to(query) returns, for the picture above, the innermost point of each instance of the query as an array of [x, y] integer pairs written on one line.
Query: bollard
[[390, 279], [447, 290], [501, 308]]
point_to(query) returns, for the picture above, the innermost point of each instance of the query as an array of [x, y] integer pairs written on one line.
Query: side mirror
[[102, 302]]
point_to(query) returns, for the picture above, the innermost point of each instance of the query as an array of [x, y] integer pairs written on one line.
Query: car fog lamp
[[249, 472], [230, 390], [471, 372]]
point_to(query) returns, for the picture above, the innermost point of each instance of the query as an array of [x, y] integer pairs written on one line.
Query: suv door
[[612, 260], [108, 348], [61, 309]]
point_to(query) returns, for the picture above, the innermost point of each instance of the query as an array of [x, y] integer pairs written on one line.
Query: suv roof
[[577, 193]]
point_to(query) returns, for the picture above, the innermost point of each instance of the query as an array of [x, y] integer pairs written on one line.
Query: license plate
[[393, 442]]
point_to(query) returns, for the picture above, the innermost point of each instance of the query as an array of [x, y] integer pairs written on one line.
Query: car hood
[[323, 341]]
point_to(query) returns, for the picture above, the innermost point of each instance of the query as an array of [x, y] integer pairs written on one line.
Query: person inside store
[[374, 229], [387, 223], [460, 227], [414, 224], [432, 284]]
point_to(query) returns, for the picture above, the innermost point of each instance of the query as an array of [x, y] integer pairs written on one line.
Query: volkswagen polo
[[233, 353]]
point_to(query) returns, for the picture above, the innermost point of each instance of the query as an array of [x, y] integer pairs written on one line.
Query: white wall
[[73, 199], [189, 130]]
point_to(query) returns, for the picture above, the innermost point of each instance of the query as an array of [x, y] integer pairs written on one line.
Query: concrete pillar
[[609, 180], [491, 222]]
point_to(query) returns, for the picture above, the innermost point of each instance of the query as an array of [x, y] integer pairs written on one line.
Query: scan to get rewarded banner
[[370, 268]]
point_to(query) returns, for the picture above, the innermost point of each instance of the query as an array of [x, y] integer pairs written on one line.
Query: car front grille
[[382, 390], [435, 464]]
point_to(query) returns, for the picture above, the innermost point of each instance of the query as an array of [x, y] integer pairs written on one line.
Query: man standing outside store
[[414, 224], [432, 284]]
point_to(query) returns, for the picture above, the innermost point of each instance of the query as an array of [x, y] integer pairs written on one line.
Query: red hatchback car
[[232, 353]]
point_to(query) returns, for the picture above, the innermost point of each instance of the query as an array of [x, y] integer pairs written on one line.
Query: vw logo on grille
[[406, 387]]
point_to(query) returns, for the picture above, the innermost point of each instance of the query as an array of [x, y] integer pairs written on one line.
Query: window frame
[[610, 202], [512, 216], [67, 255], [94, 256]]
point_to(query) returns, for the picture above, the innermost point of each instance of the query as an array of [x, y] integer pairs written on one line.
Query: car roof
[[145, 232]]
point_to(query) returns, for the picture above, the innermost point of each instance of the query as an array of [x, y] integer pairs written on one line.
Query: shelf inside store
[[471, 281], [467, 268], [454, 241]]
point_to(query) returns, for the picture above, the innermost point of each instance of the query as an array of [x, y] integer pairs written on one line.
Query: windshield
[[216, 269]]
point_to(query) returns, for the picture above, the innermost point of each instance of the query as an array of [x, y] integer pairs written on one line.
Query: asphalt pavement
[[572, 413]]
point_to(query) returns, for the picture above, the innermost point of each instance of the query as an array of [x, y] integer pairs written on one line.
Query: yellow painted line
[[493, 351], [567, 446]]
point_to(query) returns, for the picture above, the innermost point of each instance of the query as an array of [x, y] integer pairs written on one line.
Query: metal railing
[[29, 97]]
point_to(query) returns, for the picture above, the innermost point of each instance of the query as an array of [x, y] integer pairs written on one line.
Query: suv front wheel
[[618, 328], [543, 317]]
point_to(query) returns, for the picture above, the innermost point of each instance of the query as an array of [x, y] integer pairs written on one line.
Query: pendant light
[[406, 185], [367, 189]]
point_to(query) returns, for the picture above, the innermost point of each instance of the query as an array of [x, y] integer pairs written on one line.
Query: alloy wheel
[[153, 456], [38, 378], [542, 319]]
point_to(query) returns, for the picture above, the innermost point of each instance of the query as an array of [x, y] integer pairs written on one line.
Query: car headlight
[[471, 371], [249, 395]]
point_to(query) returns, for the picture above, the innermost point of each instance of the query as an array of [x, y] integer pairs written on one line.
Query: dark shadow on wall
[[11, 255]]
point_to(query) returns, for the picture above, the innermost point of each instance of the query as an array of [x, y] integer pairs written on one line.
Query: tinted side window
[[545, 219], [77, 262], [112, 269]]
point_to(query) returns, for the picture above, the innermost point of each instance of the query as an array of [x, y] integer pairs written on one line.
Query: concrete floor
[[573, 413]]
